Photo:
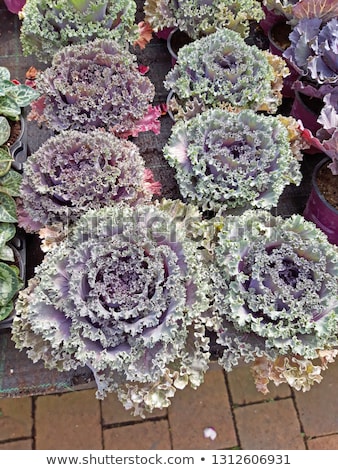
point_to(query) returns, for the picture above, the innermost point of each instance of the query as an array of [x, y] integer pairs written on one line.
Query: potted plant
[[234, 161], [12, 257], [188, 20], [313, 53], [77, 171], [96, 85], [198, 18], [275, 303], [322, 204], [14, 97], [121, 294], [221, 69], [47, 26]]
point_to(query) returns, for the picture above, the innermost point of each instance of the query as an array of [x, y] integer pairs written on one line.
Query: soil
[[328, 185], [15, 132], [315, 104], [179, 39], [280, 35]]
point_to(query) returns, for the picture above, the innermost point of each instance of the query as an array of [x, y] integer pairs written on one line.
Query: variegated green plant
[[13, 97], [10, 276]]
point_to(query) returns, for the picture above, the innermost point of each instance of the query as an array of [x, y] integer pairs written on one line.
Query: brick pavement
[[242, 418]]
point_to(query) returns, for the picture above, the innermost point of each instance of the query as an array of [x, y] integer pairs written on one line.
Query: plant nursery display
[[95, 85], [232, 160], [143, 289]]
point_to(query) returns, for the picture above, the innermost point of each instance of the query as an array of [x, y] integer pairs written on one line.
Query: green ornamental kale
[[222, 70], [225, 160], [47, 26], [201, 17], [274, 291]]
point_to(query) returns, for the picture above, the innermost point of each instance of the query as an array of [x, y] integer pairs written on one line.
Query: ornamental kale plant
[[234, 160], [326, 138], [47, 26], [76, 171], [201, 17], [94, 85], [221, 69], [295, 10], [313, 51], [122, 295], [274, 296]]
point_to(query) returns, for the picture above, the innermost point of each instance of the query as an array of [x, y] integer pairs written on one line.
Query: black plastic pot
[[18, 245], [19, 150]]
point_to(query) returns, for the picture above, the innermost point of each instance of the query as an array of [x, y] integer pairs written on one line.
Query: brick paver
[[243, 389], [15, 418], [318, 408], [270, 425], [192, 411], [113, 412], [323, 443], [68, 421], [149, 435], [22, 444]]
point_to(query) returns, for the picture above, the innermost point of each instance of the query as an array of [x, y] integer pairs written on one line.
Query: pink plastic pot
[[269, 20], [319, 211], [14, 6], [308, 116]]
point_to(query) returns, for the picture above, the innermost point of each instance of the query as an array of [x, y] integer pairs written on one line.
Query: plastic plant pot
[[175, 41], [18, 245], [278, 36], [19, 150], [319, 210]]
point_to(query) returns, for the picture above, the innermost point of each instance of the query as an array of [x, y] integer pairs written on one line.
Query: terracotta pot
[[318, 209]]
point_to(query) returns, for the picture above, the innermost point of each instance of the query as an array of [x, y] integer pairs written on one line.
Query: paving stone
[[192, 411], [22, 444], [243, 389], [15, 418], [318, 408], [270, 425], [68, 421], [149, 435], [323, 443], [113, 412]]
